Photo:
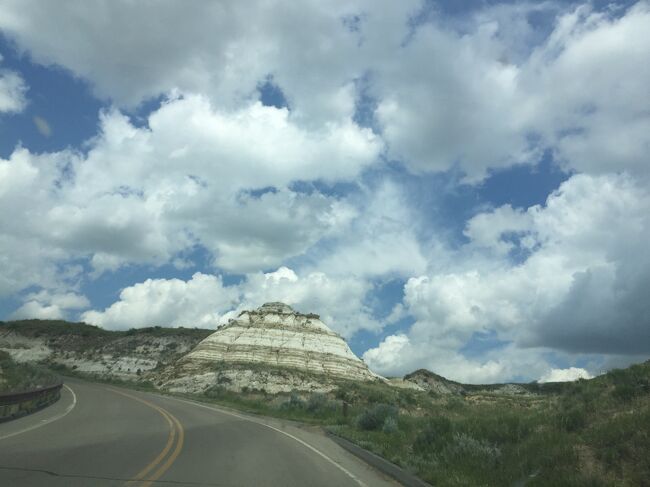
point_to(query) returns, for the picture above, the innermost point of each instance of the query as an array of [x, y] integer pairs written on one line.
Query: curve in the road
[[303, 443], [100, 435], [46, 421], [176, 433]]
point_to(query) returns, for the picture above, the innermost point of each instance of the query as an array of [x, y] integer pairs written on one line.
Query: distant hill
[[131, 354], [273, 348], [16, 377], [582, 433], [437, 384]]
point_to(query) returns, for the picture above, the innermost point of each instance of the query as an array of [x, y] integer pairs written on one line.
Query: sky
[[452, 185]]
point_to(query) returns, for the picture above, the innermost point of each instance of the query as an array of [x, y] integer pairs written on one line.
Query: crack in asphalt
[[117, 479]]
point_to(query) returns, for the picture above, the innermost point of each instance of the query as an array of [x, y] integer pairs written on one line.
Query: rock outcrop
[[130, 355], [274, 348], [428, 381]]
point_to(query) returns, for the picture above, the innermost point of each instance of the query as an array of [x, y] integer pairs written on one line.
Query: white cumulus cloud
[[141, 195], [198, 302], [565, 375], [579, 290], [47, 305], [488, 92], [204, 300], [12, 91]]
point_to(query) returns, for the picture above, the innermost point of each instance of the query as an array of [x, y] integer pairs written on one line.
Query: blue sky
[[459, 186]]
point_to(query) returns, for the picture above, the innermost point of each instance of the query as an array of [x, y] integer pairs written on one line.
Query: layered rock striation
[[275, 335]]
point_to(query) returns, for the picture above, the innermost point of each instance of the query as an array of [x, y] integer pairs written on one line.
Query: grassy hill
[[587, 433], [58, 328], [78, 346], [16, 377]]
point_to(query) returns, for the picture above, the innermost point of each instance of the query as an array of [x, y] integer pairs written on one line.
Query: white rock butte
[[276, 335]]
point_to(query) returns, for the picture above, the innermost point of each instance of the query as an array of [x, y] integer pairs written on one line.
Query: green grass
[[15, 377], [54, 329], [81, 338], [587, 433]]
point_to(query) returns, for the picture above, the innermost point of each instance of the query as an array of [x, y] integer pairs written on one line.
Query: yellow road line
[[172, 457], [261, 423], [176, 432], [170, 441]]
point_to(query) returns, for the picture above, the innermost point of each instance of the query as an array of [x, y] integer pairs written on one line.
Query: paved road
[[99, 435]]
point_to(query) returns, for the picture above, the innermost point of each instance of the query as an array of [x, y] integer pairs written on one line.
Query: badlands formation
[[273, 348]]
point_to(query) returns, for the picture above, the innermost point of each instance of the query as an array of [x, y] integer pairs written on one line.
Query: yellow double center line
[[159, 465]]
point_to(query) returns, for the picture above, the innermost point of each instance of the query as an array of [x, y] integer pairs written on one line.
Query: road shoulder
[[54, 412]]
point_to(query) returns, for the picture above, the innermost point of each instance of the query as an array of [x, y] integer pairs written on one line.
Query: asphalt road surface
[[100, 435]]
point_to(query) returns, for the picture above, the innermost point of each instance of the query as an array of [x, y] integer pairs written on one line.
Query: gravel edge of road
[[379, 463]]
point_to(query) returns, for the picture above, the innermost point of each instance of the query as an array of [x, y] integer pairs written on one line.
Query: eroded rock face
[[277, 336], [134, 355], [428, 381]]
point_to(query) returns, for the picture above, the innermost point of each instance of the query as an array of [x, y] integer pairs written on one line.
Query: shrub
[[316, 402], [624, 392], [631, 382], [465, 447], [390, 425], [373, 419], [454, 403], [294, 402], [497, 425], [214, 392], [572, 419], [433, 436]]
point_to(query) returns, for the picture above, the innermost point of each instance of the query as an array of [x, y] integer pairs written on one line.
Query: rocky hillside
[[133, 354], [428, 381], [273, 348], [436, 384], [16, 377]]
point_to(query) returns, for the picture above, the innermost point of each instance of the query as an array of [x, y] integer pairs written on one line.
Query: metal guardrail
[[405, 478], [20, 403], [24, 396]]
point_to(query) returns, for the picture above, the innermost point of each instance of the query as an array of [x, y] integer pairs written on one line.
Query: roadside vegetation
[[18, 377], [586, 433], [56, 329]]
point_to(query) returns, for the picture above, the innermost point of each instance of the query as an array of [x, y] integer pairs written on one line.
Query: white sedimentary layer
[[276, 335], [113, 359]]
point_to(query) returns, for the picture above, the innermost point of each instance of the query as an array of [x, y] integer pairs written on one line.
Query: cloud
[[27, 254], [212, 168], [578, 290], [200, 191], [167, 302], [381, 240], [204, 301], [340, 300], [487, 92], [224, 50], [565, 375], [591, 76], [142, 195], [400, 354], [50, 306], [484, 104], [389, 355], [12, 91]]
